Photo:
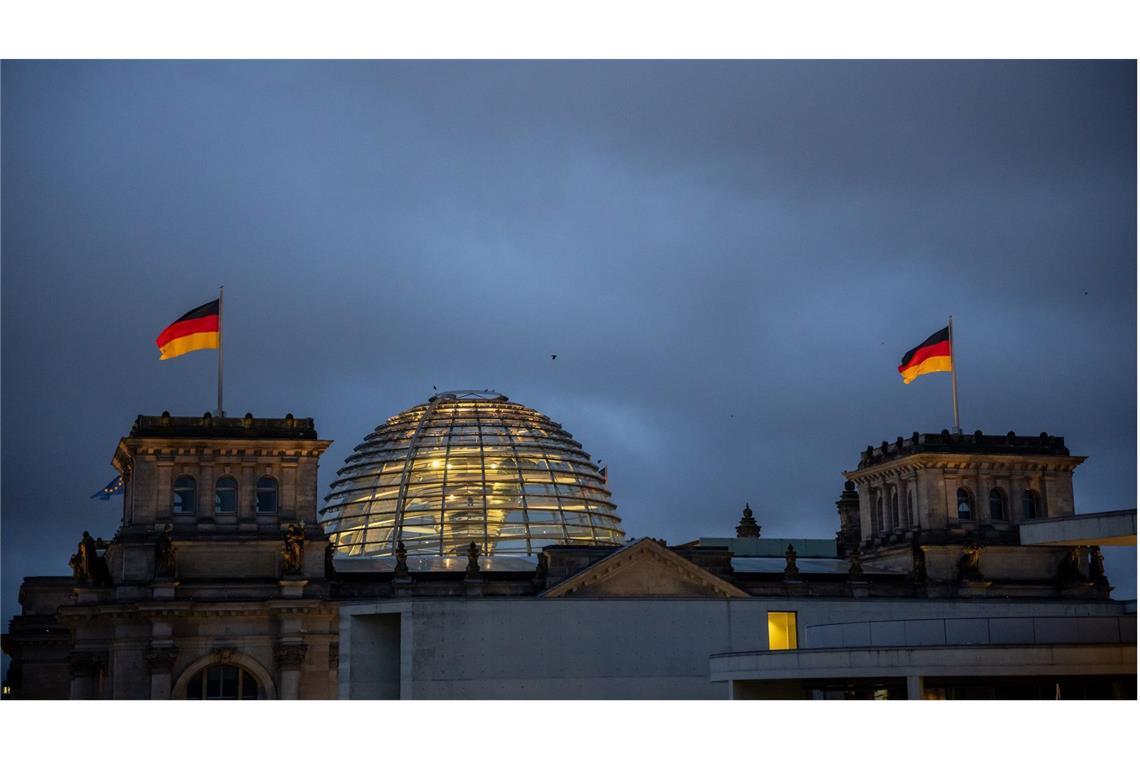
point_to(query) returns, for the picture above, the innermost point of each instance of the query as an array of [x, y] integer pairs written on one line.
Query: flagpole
[[953, 377], [221, 310]]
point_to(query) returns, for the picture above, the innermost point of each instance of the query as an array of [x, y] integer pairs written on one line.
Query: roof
[[644, 568], [209, 426], [773, 547], [961, 443], [468, 468]]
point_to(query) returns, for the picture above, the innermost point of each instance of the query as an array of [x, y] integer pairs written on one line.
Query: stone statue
[[472, 561], [164, 551], [330, 552], [1069, 570], [76, 565], [87, 557], [790, 569], [918, 560], [402, 562], [748, 527], [87, 565], [856, 566], [543, 566], [294, 551], [1096, 566], [968, 563]]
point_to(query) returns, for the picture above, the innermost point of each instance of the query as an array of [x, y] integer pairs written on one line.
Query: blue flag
[[109, 490]]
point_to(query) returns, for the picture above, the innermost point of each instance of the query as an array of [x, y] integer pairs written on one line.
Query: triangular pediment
[[645, 568]]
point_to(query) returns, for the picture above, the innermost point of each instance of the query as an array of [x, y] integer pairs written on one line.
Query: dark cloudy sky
[[728, 258]]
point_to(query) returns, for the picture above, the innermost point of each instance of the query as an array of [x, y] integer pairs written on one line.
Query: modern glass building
[[468, 466]]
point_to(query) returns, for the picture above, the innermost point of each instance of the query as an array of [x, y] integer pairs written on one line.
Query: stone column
[[206, 491], [982, 514], [290, 658], [334, 669], [161, 662], [914, 687], [86, 668], [866, 529], [161, 507]]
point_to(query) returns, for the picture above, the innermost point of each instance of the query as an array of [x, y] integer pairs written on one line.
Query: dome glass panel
[[468, 466]]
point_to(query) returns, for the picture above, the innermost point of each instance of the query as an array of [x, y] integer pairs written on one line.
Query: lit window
[[998, 505], [222, 682], [965, 505], [185, 495], [1030, 505], [266, 495], [782, 630], [225, 495]]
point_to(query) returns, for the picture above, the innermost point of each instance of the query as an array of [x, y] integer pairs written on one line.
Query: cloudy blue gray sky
[[729, 258]]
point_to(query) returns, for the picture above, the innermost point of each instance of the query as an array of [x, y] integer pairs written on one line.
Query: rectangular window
[[782, 630]]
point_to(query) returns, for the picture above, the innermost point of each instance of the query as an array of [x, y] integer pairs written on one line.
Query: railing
[[1106, 629]]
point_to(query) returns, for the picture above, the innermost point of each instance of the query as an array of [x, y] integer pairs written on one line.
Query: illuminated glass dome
[[468, 466]]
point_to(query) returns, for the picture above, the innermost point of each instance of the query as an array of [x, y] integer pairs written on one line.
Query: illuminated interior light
[[522, 480]]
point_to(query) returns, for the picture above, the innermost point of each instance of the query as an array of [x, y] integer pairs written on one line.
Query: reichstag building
[[470, 548]]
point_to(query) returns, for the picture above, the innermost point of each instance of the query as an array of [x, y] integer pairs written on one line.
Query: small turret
[[849, 535], [748, 527]]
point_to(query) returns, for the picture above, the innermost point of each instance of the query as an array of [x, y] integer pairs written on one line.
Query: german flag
[[195, 330], [932, 355]]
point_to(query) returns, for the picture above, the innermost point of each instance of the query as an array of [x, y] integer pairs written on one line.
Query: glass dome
[[468, 466]]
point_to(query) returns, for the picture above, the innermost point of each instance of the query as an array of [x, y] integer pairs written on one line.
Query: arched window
[[222, 682], [998, 507], [895, 510], [878, 514], [185, 495], [910, 508], [225, 495], [965, 505], [1030, 505], [266, 495]]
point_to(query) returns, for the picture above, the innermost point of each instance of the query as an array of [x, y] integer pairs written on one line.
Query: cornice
[[134, 448], [955, 461], [182, 609]]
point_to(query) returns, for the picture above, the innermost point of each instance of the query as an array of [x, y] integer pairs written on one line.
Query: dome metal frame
[[468, 466]]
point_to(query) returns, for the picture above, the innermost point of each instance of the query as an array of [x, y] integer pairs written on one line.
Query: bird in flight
[[553, 357]]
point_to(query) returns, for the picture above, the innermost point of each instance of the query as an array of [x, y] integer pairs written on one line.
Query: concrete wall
[[375, 643], [603, 648], [555, 649]]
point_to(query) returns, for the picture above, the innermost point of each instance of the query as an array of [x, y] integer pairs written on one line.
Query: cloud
[[728, 258]]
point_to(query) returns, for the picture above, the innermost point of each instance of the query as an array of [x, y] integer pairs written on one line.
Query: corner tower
[[947, 509], [215, 481], [949, 487]]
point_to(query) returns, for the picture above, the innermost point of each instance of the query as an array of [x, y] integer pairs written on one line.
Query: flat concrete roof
[[879, 662], [821, 548], [1116, 528]]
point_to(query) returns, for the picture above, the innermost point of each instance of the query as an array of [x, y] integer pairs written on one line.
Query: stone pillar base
[[163, 589], [974, 588], [473, 587], [292, 588]]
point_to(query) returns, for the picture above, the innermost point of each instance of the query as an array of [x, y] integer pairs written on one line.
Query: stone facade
[[192, 588], [912, 486], [935, 493], [207, 578]]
